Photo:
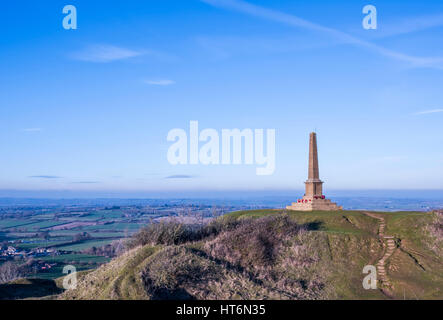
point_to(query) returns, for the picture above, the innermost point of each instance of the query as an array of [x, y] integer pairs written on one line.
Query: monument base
[[314, 204]]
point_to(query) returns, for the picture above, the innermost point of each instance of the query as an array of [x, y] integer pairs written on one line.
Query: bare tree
[[119, 246], [9, 271]]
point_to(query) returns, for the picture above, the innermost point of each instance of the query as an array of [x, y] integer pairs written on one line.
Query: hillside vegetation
[[276, 254], [271, 254]]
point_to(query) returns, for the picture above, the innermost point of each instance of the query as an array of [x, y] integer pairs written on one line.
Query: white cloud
[[294, 21], [105, 54], [428, 112], [160, 82]]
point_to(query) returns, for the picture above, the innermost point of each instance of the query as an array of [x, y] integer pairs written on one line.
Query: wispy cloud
[[223, 47], [105, 54], [160, 82], [392, 158], [180, 176], [411, 24], [428, 112], [387, 159], [294, 21], [45, 177], [32, 129], [86, 182]]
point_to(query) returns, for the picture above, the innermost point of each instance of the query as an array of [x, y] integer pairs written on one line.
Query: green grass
[[414, 269], [80, 258], [28, 224], [111, 213], [14, 223], [107, 234], [85, 245], [89, 217], [57, 271], [103, 234], [130, 227], [21, 235], [343, 222], [117, 280], [46, 224]]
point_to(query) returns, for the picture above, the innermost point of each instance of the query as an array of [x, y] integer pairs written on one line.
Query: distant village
[[11, 252]]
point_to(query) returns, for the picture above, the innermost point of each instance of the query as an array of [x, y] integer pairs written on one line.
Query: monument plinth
[[314, 198]]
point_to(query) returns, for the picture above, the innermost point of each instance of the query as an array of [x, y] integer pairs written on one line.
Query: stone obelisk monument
[[313, 198]]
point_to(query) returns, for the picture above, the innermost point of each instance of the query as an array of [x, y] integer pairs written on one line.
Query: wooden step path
[[389, 249]]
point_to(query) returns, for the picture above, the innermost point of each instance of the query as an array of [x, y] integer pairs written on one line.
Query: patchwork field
[[66, 235]]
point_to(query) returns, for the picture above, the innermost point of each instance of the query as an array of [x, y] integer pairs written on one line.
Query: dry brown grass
[[253, 243], [266, 258], [435, 230]]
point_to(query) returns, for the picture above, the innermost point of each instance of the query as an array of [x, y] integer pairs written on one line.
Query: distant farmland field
[[72, 225], [130, 227], [41, 244], [46, 224], [80, 258], [28, 224], [62, 230], [85, 245], [79, 261], [104, 234], [13, 223]]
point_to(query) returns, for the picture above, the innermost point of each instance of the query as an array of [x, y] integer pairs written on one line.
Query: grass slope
[[415, 270], [266, 258]]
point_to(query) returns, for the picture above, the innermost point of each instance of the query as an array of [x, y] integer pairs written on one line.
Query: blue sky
[[90, 109]]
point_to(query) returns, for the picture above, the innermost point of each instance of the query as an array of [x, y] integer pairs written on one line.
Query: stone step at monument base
[[314, 204]]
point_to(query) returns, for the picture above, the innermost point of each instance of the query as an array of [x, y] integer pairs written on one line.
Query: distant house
[[47, 266], [11, 251]]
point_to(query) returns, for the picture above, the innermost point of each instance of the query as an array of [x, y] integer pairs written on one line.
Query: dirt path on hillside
[[389, 246]]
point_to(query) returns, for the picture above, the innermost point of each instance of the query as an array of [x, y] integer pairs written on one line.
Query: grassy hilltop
[[275, 254]]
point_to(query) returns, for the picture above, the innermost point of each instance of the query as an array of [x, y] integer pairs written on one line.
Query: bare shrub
[[253, 242], [278, 253], [114, 249], [267, 258], [176, 233], [9, 272], [217, 226], [435, 230], [172, 269], [81, 237], [165, 233], [119, 247]]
